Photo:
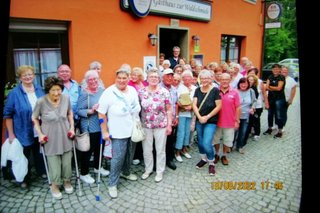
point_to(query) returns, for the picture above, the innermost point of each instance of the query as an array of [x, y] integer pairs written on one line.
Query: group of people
[[224, 104]]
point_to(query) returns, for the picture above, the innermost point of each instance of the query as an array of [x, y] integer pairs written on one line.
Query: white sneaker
[[87, 179], [113, 191], [158, 177], [135, 161], [256, 137], [179, 158], [103, 172], [187, 155], [145, 175], [241, 151], [129, 177], [283, 130]]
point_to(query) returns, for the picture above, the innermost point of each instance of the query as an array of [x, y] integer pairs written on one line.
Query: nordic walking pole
[[45, 161], [76, 163], [100, 156]]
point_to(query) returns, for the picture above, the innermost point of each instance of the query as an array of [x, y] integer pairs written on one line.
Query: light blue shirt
[[73, 92]]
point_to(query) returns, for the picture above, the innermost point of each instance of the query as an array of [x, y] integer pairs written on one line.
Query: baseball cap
[[167, 71]]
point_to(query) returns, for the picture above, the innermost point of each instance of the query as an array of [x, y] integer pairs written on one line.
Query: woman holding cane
[[56, 130], [119, 102]]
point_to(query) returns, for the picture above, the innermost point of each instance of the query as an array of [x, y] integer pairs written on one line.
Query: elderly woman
[[17, 114], [57, 127], [247, 106], [97, 66], [206, 105], [89, 122], [137, 81], [117, 106], [185, 114], [156, 120]]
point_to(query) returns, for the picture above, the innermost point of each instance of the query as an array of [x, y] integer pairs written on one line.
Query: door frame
[[184, 48]]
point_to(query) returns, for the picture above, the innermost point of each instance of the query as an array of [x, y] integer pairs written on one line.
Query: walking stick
[[75, 161], [100, 157], [45, 162], [77, 170]]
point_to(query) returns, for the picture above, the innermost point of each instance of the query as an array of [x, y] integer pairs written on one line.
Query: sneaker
[[212, 170], [68, 187], [179, 158], [216, 159], [187, 155], [224, 160], [87, 179], [135, 161], [268, 132], [278, 135], [158, 177], [56, 192], [145, 175], [44, 176], [24, 185], [283, 130], [201, 164], [256, 137], [113, 191], [103, 172], [241, 151], [129, 177]]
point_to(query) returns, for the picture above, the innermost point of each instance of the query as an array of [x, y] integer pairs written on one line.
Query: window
[[43, 45], [230, 48]]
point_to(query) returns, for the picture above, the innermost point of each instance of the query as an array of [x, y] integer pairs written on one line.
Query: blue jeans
[[183, 134], [241, 137], [120, 162], [277, 109], [205, 133]]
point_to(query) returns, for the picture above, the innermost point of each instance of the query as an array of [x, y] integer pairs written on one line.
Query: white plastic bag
[[14, 152]]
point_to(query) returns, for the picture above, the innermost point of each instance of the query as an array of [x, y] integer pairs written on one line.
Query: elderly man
[[167, 80], [71, 87], [174, 60]]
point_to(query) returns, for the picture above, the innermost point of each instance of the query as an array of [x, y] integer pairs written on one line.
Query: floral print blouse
[[153, 107]]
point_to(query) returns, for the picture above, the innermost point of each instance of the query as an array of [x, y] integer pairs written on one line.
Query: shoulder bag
[[83, 139], [194, 117], [138, 133]]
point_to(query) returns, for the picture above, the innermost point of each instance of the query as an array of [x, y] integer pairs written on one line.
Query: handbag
[[82, 141], [138, 133]]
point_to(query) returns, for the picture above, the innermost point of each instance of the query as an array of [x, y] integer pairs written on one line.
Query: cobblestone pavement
[[272, 166]]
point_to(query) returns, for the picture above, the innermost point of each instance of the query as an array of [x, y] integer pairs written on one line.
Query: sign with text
[[187, 9]]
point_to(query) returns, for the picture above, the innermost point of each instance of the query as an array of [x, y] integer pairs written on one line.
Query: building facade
[[46, 33]]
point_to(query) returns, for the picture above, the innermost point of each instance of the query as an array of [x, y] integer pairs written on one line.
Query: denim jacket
[[19, 109]]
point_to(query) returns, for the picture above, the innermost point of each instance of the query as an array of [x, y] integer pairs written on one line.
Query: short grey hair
[[187, 73], [95, 64], [205, 74], [90, 73]]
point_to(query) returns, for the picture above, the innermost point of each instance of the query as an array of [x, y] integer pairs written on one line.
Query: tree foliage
[[281, 43]]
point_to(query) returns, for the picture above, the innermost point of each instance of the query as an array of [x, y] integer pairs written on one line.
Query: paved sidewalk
[[271, 166]]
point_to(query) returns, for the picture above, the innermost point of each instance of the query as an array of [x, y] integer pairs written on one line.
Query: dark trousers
[[38, 162], [254, 122], [171, 140], [277, 110], [241, 137], [84, 157]]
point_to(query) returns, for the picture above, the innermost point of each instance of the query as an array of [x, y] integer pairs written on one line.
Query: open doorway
[[170, 37]]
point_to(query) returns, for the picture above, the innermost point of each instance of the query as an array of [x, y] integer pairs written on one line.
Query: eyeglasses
[[27, 75]]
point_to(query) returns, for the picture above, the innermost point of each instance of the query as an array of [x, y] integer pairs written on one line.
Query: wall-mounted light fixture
[[153, 39], [196, 40]]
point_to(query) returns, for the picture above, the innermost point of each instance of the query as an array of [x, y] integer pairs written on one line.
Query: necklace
[[28, 89]]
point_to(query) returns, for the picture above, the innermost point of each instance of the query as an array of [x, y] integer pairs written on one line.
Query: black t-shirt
[[209, 104], [276, 95]]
